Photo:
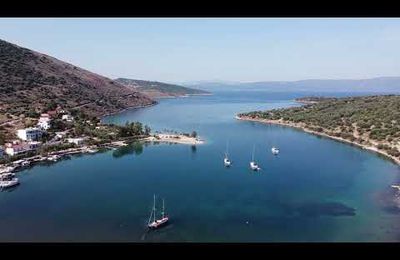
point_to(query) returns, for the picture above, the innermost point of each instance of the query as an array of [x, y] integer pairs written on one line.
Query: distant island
[[155, 89], [380, 85], [371, 122]]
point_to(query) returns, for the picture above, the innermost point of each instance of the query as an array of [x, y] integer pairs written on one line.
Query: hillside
[[370, 121], [159, 89], [34, 82]]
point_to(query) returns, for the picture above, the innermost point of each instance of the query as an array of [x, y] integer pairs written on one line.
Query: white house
[[67, 118], [44, 121], [45, 125], [61, 135], [15, 148], [77, 141], [29, 134]]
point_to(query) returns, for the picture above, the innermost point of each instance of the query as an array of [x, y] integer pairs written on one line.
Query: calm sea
[[316, 189]]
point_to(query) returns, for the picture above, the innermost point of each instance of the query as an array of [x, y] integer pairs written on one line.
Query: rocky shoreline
[[129, 108], [305, 129]]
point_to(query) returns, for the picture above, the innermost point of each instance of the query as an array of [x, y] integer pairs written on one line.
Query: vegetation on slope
[[369, 120]]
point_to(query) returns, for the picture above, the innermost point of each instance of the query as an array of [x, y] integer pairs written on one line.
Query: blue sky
[[178, 50]]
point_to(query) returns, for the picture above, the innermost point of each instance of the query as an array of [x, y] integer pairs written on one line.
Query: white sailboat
[[154, 223], [227, 162], [253, 165], [274, 150]]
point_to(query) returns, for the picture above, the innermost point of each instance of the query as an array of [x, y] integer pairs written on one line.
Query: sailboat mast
[[252, 156], [163, 208], [154, 208]]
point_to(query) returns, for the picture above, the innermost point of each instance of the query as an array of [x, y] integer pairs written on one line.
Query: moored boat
[[7, 169], [227, 162], [274, 150], [53, 158], [253, 164], [8, 180], [157, 223], [9, 183]]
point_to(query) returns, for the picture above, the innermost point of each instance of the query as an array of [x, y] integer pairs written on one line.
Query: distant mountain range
[[380, 84], [33, 82], [156, 89]]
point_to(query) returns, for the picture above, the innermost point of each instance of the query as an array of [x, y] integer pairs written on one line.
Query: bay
[[316, 189]]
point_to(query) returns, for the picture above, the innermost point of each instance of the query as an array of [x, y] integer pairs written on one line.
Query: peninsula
[[370, 122], [155, 89]]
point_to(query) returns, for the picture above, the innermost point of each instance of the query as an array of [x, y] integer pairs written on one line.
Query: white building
[[44, 121], [67, 118], [16, 148], [77, 141], [29, 134], [61, 135], [34, 145]]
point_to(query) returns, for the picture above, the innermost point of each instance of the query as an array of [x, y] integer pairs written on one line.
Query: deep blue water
[[316, 189]]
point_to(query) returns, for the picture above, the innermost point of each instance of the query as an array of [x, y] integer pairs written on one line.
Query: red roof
[[52, 113]]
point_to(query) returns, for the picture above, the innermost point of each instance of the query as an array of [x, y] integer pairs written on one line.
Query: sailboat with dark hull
[[154, 223]]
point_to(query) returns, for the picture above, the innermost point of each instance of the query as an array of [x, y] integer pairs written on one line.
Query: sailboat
[[227, 162], [274, 150], [154, 223], [253, 165]]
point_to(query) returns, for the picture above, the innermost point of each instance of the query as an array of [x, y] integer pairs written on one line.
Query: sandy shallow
[[174, 138]]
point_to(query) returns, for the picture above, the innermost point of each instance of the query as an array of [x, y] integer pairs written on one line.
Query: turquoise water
[[316, 189]]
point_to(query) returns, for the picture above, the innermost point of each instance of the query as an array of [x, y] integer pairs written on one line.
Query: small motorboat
[[9, 183], [7, 169], [53, 158], [7, 175], [25, 163], [8, 180]]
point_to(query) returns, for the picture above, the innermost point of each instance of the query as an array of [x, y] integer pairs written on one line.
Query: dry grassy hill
[[33, 82]]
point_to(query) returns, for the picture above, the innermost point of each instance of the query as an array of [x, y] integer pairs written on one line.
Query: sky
[[245, 50]]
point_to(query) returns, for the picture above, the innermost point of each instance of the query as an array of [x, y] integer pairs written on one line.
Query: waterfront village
[[58, 133]]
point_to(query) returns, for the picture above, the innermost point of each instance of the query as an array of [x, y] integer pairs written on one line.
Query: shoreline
[[305, 129], [125, 109], [93, 149], [183, 96]]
